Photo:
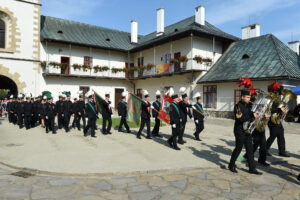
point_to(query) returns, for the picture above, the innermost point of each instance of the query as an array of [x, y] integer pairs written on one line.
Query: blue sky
[[279, 17]]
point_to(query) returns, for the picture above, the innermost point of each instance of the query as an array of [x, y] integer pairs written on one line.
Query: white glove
[[192, 118], [194, 107], [86, 119], [196, 121], [151, 107], [174, 125]]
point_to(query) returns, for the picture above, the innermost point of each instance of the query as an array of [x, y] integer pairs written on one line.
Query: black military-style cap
[[184, 95], [146, 96], [158, 96], [174, 96], [245, 93]]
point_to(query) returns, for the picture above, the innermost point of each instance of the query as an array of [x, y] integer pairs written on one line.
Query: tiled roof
[[264, 57], [95, 36]]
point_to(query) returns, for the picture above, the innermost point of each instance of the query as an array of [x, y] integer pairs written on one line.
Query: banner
[[163, 68], [134, 106], [98, 102], [164, 110]]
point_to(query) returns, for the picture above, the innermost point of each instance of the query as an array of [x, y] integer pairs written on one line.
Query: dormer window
[[107, 39], [175, 30], [245, 56], [60, 32]]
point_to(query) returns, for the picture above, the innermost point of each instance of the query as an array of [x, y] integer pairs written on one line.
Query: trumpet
[[288, 95]]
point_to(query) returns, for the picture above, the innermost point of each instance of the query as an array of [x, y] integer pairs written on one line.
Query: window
[[88, 61], [245, 56], [140, 61], [2, 34], [210, 96], [84, 89], [167, 58], [237, 96], [139, 93]]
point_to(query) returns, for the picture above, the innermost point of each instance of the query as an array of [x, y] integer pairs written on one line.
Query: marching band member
[[106, 115], [184, 106], [198, 115], [122, 112], [50, 112], [91, 114], [145, 116], [67, 111], [156, 108], [80, 112]]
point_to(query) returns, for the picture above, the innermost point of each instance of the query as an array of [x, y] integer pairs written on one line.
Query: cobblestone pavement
[[277, 182]]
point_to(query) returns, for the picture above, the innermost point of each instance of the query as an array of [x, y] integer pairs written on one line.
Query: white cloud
[[231, 10], [69, 9]]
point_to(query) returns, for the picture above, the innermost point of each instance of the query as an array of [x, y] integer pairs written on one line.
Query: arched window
[[2, 34]]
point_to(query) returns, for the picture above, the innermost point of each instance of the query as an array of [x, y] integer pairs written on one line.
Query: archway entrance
[[8, 84]]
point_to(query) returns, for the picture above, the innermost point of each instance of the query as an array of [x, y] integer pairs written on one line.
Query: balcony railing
[[70, 71]]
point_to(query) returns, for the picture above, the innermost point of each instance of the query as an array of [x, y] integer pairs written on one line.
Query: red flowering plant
[[149, 66], [183, 59], [174, 61], [76, 66]]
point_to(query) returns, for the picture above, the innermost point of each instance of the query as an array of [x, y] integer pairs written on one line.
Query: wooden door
[[139, 93], [66, 61], [177, 65], [118, 96], [130, 73]]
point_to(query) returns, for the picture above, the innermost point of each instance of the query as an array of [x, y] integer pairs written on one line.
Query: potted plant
[[44, 64], [105, 68], [97, 69], [207, 61], [76, 66], [183, 59], [86, 68], [149, 66], [198, 59], [174, 61]]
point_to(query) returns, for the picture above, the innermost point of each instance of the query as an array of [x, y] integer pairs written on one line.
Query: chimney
[[294, 45], [250, 31], [134, 31], [200, 15], [160, 21]]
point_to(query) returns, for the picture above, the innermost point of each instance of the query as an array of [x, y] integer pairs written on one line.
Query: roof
[[268, 58], [96, 36]]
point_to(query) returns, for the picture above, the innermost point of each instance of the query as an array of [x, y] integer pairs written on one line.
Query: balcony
[[171, 69], [70, 71]]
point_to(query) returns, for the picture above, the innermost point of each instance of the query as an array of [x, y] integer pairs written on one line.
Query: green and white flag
[[134, 105]]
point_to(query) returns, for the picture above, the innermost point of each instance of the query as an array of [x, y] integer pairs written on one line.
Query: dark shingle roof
[[95, 36], [268, 58]]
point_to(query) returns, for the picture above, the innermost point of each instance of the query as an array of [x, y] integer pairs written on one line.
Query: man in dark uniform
[[80, 113], [60, 112], [74, 111], [185, 110], [276, 129], [145, 116], [91, 114], [36, 105], [8, 109], [198, 115], [14, 108], [156, 108], [20, 111], [50, 112], [122, 111], [175, 121], [243, 114], [67, 112], [42, 111], [106, 115], [28, 112]]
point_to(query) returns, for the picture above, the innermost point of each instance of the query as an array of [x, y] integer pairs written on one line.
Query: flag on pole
[[98, 102], [163, 114], [134, 105]]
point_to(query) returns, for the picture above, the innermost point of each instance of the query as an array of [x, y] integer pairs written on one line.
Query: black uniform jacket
[[185, 110], [242, 113], [122, 109], [146, 110], [175, 114], [156, 105], [196, 114]]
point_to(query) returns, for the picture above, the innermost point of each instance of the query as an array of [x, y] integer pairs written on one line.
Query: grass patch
[[116, 123]]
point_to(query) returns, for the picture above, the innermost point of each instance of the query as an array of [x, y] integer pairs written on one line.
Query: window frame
[[4, 33], [214, 93], [89, 60]]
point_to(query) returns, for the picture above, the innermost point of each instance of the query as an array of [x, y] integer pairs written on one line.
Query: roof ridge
[[86, 24], [277, 51]]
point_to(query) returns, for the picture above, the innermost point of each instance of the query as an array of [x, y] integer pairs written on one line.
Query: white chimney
[[294, 45], [250, 31], [160, 21], [134, 31], [200, 15]]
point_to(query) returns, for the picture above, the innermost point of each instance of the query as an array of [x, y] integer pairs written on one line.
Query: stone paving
[[278, 182]]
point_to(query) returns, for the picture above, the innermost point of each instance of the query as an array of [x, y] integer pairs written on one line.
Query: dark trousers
[[104, 128], [20, 120], [66, 120], [60, 120], [175, 134], [182, 128], [259, 140], [90, 125], [10, 117], [27, 121], [156, 127], [243, 139], [15, 119], [123, 121], [50, 124], [77, 120], [199, 128], [143, 122], [277, 132]]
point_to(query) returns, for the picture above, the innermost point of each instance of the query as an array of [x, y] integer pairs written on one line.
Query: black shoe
[[159, 136], [180, 142], [264, 164], [128, 131], [170, 143], [120, 130], [255, 172], [138, 137], [47, 131], [54, 132], [232, 168], [108, 132], [85, 135], [177, 148], [94, 136], [284, 155], [149, 137], [268, 154]]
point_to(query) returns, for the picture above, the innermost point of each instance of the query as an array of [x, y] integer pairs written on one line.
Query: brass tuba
[[287, 95]]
